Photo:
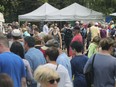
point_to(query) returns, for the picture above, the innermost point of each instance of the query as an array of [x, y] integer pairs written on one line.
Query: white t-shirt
[[45, 29]]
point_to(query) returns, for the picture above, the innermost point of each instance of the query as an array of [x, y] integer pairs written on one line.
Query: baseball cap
[[51, 43], [16, 32], [96, 24], [77, 22]]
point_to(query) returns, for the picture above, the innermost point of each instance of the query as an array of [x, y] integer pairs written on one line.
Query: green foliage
[[2, 8], [104, 6], [13, 8]]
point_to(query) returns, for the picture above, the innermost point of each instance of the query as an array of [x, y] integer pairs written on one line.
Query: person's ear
[[47, 58], [75, 50], [111, 49], [1, 44]]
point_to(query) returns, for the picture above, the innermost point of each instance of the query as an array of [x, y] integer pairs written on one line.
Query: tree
[[104, 6], [13, 8], [2, 8]]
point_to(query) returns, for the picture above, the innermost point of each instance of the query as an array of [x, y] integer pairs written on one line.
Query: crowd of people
[[57, 57]]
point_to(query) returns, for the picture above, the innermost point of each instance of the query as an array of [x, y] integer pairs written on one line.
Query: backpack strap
[[57, 66], [92, 69], [93, 60]]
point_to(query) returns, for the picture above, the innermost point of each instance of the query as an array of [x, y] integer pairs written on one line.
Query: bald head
[[3, 40]]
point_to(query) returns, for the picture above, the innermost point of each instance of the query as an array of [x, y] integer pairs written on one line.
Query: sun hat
[[16, 32]]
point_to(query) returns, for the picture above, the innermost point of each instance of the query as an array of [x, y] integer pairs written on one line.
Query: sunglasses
[[53, 80]]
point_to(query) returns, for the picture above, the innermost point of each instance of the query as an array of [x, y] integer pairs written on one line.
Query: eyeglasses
[[53, 80]]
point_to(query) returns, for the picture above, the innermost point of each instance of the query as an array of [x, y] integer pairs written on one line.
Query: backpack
[[68, 33], [113, 33], [83, 32], [89, 35], [114, 52]]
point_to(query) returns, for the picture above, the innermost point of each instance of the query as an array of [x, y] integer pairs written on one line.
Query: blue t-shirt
[[65, 61], [12, 65], [77, 64], [35, 58]]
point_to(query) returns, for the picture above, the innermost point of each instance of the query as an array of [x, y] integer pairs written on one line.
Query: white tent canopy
[[1, 21], [113, 14], [1, 17], [75, 12], [38, 14]]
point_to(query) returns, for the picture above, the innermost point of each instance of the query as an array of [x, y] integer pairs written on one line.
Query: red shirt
[[78, 38]]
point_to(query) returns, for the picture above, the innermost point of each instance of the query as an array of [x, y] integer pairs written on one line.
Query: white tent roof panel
[[39, 13], [113, 14], [75, 12]]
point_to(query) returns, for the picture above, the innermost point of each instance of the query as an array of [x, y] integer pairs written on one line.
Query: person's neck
[[15, 40], [38, 45], [28, 48], [95, 43], [79, 53], [77, 34], [104, 52], [36, 33], [60, 51], [53, 62], [5, 50], [43, 85]]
